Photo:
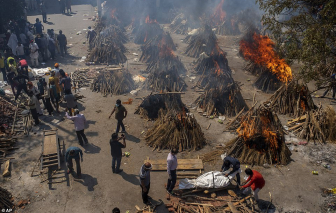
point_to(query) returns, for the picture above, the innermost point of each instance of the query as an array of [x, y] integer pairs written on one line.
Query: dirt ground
[[293, 187]]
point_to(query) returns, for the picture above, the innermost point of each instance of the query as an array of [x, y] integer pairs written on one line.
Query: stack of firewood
[[179, 25], [6, 200], [114, 81], [147, 31], [83, 77], [108, 46], [167, 61], [153, 103], [8, 112], [228, 27], [317, 125], [7, 145], [222, 100], [152, 48], [175, 130], [261, 139], [293, 99], [204, 41]]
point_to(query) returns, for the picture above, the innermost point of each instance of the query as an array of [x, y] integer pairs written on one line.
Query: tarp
[[214, 179]]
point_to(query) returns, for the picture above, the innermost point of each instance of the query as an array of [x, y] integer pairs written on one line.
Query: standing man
[[120, 114], [231, 162], [46, 97], [171, 169], [79, 121], [90, 36], [38, 27], [68, 6], [13, 42], [2, 67], [255, 181], [145, 181], [62, 6], [332, 85], [73, 153], [44, 12], [20, 51], [52, 48], [24, 66], [70, 101], [32, 107], [66, 81], [34, 53], [44, 47], [21, 79], [116, 152], [61, 38]]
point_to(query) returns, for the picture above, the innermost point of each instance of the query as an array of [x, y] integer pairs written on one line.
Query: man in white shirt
[[79, 121], [171, 169], [20, 51], [34, 54]]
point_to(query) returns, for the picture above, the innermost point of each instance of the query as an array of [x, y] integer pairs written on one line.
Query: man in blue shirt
[[231, 162], [38, 27], [332, 85], [73, 153]]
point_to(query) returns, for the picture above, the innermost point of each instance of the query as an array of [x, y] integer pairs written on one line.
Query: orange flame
[[165, 50], [150, 21], [219, 15], [303, 105], [261, 52]]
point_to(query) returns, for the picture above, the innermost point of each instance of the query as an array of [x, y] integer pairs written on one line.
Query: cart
[[52, 150]]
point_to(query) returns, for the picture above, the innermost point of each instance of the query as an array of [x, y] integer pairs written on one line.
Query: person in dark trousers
[[171, 169], [332, 85], [74, 153], [40, 87], [231, 162], [44, 12], [52, 48], [24, 66], [79, 121], [66, 81], [70, 102], [120, 114], [38, 27], [116, 210], [62, 6], [46, 97], [32, 107], [44, 47], [116, 152], [61, 38], [91, 36], [145, 181], [254, 182], [21, 79]]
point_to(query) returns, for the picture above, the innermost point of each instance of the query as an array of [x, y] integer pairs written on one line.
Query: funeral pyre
[[293, 99], [182, 24], [153, 103], [260, 139], [264, 61], [147, 31], [108, 46], [114, 81], [317, 125], [203, 41], [175, 129], [222, 94], [152, 48], [7, 115]]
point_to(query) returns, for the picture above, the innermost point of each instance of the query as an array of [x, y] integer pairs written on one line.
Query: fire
[[150, 21], [219, 15], [165, 51], [218, 70], [303, 105], [261, 52]]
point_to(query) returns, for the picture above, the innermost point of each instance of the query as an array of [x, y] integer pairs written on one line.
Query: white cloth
[[33, 50], [12, 43], [208, 180]]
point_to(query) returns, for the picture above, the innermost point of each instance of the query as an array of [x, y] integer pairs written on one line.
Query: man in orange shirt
[[255, 182]]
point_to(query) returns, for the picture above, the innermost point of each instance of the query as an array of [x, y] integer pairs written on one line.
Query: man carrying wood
[[120, 114], [73, 153], [171, 169], [116, 152], [255, 181], [231, 162], [145, 181]]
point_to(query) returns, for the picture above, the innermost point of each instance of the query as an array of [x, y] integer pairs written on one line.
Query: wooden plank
[[297, 119], [6, 172], [232, 208], [50, 145], [49, 165], [183, 164]]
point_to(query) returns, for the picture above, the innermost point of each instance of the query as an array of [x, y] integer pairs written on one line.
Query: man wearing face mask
[[145, 181], [120, 114]]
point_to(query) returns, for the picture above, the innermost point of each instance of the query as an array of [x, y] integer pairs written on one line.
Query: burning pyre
[[293, 99], [259, 50], [260, 139], [108, 46], [152, 104], [114, 81], [182, 25], [175, 129], [204, 41], [147, 31], [152, 48]]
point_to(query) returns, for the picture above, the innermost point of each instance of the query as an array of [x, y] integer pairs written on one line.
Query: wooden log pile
[[267, 82], [175, 130], [293, 99], [179, 25], [215, 78], [153, 103], [204, 41], [147, 31], [222, 100], [228, 27], [83, 77], [7, 115], [6, 200], [260, 139], [152, 48], [316, 125], [104, 22], [114, 81], [254, 68], [167, 61], [108, 46], [7, 145]]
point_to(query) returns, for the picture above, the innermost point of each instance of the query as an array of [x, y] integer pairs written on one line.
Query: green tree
[[306, 30]]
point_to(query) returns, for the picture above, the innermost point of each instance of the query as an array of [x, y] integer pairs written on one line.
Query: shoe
[[120, 170], [123, 131]]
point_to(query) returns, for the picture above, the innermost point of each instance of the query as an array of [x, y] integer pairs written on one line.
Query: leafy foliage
[[306, 31]]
